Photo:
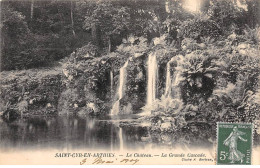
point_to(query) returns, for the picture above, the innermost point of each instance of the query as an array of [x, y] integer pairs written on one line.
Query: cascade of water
[[176, 80], [121, 90], [111, 82], [169, 79], [172, 81], [116, 108], [168, 83], [122, 80], [152, 67]]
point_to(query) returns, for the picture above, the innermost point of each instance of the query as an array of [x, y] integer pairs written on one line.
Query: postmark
[[234, 143]]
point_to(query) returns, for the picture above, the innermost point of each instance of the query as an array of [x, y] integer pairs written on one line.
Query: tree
[[32, 4], [253, 13], [108, 20], [71, 16], [14, 36], [48, 31], [230, 14]]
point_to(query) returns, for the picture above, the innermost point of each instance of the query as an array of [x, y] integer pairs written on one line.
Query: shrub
[[199, 27]]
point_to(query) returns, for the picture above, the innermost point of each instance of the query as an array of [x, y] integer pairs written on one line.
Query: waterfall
[[122, 80], [116, 108], [172, 89], [121, 90], [152, 67], [111, 82], [176, 80], [168, 83]]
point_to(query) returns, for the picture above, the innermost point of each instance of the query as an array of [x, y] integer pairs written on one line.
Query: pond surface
[[72, 132], [84, 132]]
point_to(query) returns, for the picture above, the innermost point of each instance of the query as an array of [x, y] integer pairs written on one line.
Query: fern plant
[[252, 35], [198, 70]]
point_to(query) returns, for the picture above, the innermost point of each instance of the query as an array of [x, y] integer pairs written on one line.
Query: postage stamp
[[234, 143]]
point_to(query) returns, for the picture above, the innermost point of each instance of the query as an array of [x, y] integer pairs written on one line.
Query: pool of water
[[110, 133], [73, 132]]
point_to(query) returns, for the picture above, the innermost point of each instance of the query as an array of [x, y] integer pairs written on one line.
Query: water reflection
[[110, 133], [70, 132]]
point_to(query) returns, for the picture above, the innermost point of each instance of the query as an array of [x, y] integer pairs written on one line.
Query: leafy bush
[[135, 46], [199, 27], [252, 35], [166, 110], [197, 70], [88, 51], [31, 91]]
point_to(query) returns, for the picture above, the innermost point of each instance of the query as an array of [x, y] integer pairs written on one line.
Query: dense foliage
[[219, 81], [36, 33]]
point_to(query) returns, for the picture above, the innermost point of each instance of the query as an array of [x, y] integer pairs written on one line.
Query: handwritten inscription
[[131, 161], [83, 161], [100, 160]]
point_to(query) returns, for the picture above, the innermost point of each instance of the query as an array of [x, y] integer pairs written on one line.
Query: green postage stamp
[[234, 143]]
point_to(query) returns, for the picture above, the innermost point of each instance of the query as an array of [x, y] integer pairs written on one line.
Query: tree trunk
[[1, 50], [32, 5], [96, 35], [253, 13], [161, 13], [167, 6], [71, 17], [109, 44]]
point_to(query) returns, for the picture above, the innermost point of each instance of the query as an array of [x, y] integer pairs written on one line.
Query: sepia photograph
[[122, 82]]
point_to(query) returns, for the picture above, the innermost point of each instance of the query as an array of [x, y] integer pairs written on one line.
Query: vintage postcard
[[130, 82]]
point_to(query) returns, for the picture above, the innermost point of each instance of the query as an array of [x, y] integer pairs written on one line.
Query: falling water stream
[[121, 90], [168, 83], [152, 68], [122, 80], [111, 82], [172, 89]]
